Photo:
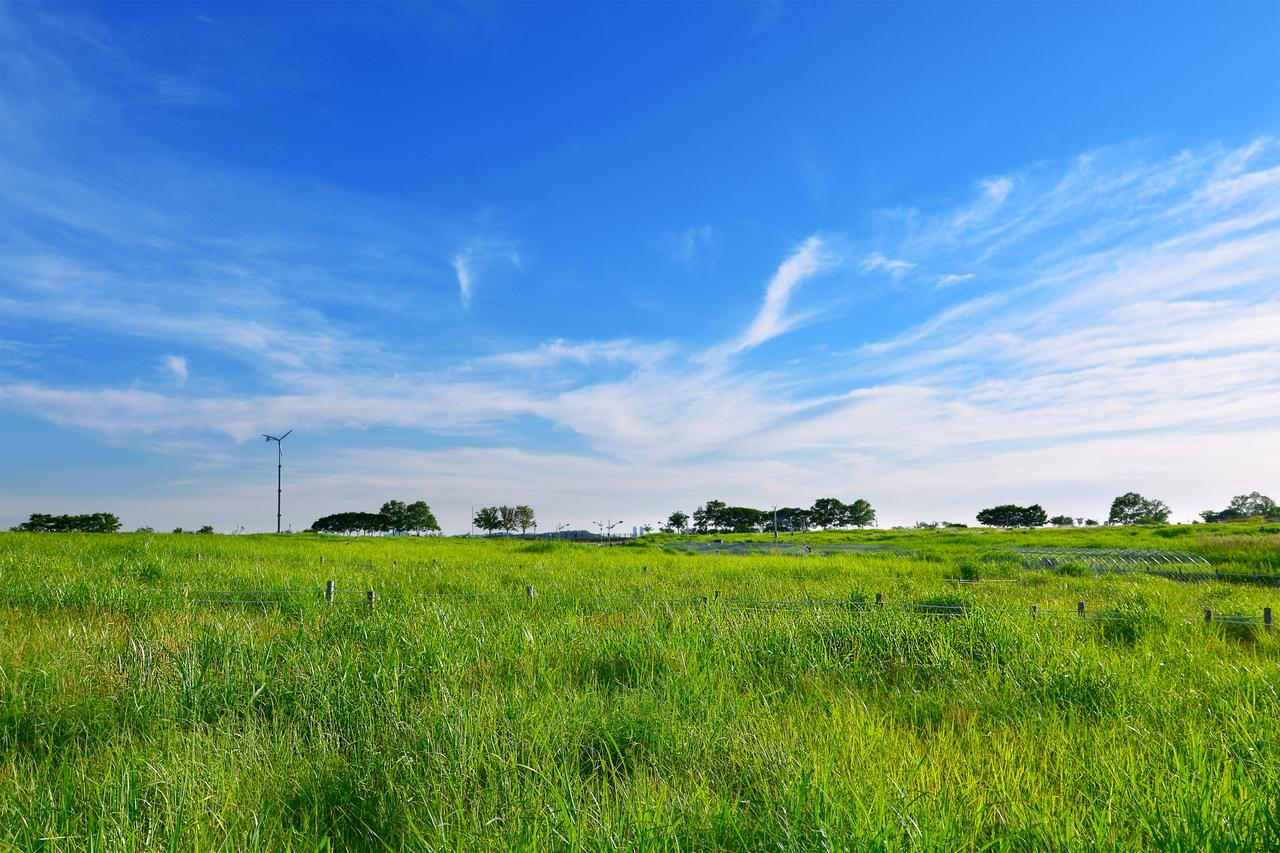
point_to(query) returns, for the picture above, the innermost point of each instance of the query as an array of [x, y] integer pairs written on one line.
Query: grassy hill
[[197, 692]]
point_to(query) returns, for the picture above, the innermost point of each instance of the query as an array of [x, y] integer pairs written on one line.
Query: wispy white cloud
[[556, 353], [466, 281], [812, 258], [953, 278], [176, 365], [878, 261], [478, 256], [688, 247]]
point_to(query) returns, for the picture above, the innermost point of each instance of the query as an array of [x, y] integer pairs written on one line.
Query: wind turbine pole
[[279, 471], [279, 480]]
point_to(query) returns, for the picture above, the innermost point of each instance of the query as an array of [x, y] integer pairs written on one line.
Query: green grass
[[132, 718]]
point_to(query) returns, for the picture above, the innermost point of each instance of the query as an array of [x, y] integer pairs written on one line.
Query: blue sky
[[616, 259]]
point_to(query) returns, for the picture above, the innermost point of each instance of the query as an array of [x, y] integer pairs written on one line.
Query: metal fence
[[268, 598]]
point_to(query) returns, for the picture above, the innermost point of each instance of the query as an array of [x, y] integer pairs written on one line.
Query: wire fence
[[369, 598]]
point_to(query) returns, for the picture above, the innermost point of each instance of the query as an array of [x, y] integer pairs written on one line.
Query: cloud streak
[[812, 258], [478, 256]]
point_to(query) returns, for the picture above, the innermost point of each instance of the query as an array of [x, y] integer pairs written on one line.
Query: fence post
[[879, 599], [1208, 615], [322, 559], [199, 557], [1079, 608], [1034, 610], [1266, 618], [530, 592], [328, 591], [373, 597]]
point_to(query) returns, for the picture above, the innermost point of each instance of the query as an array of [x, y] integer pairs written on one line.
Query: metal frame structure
[[789, 549], [1103, 559]]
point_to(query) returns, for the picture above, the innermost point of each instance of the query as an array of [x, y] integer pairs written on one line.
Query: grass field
[[143, 710]]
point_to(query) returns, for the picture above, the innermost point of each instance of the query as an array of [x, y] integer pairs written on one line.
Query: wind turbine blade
[[267, 437], [286, 435]]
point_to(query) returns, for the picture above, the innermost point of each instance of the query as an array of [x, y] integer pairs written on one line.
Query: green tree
[[859, 514], [1033, 516], [489, 519], [1005, 515], [1062, 521], [710, 517], [827, 513], [348, 523], [507, 518], [1133, 508], [525, 518], [395, 517], [420, 519], [677, 521], [1252, 505], [205, 529], [792, 519], [741, 519]]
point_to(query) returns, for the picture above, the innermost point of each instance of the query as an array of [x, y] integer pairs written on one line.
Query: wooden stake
[[1208, 616], [530, 592], [879, 599], [328, 591], [1079, 608], [1034, 610], [373, 597], [1266, 618]]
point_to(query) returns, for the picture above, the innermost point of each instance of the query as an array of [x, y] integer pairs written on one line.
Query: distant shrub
[[1129, 621], [539, 547], [968, 570], [946, 606]]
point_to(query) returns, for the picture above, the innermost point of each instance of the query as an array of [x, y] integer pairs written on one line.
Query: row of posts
[[532, 593]]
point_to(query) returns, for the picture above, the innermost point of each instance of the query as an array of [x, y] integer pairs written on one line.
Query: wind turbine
[[279, 467]]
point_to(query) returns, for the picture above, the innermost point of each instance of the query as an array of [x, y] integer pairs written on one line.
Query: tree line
[[506, 518], [394, 517], [94, 522], [715, 516], [1252, 505], [1129, 508]]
